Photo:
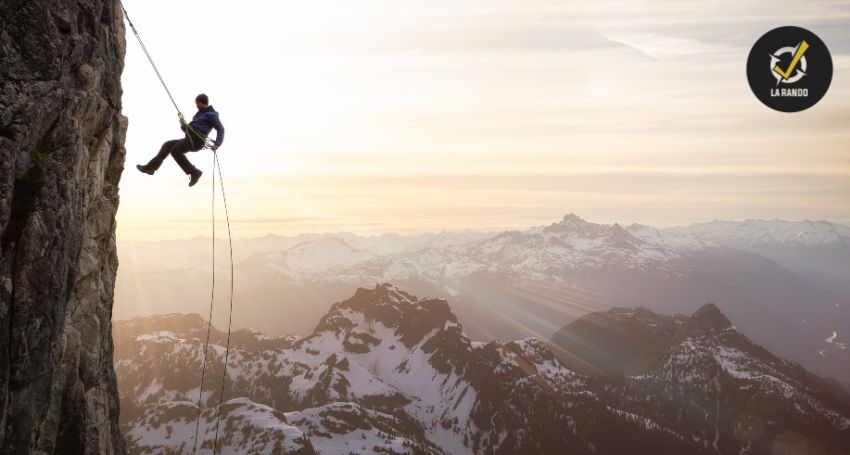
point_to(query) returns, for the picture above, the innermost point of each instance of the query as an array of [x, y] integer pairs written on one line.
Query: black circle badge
[[789, 69]]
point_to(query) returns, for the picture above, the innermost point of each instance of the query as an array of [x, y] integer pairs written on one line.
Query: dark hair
[[202, 98]]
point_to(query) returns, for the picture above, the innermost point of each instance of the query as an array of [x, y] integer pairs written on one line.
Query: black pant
[[177, 148]]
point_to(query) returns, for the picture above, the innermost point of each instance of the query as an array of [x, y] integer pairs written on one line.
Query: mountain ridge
[[512, 284], [386, 352]]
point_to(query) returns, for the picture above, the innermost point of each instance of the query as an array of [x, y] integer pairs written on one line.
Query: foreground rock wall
[[61, 157]]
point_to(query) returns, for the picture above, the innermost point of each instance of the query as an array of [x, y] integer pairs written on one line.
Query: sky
[[427, 115]]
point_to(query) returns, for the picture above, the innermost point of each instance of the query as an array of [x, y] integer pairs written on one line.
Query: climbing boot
[[145, 168], [196, 175]]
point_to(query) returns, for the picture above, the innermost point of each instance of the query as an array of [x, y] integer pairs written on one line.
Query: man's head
[[202, 101]]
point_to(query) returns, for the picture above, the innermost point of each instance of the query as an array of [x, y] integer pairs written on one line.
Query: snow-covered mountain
[[787, 284], [386, 372], [571, 244], [817, 250], [808, 233], [313, 260]]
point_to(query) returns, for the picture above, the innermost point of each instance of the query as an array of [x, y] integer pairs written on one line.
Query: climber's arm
[[219, 133]]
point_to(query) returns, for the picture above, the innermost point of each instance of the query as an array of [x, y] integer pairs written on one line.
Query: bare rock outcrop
[[61, 158]]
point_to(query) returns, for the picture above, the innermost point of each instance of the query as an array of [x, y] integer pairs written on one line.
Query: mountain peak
[[572, 218], [709, 318], [325, 242], [573, 221], [627, 341], [384, 293], [570, 222], [409, 317]]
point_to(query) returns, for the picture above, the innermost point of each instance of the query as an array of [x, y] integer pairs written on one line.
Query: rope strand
[[216, 167], [209, 320], [148, 55], [230, 317]]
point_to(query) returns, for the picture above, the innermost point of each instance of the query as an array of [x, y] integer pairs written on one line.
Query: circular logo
[[789, 69]]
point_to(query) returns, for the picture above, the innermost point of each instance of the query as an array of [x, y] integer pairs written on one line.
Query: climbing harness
[[216, 168]]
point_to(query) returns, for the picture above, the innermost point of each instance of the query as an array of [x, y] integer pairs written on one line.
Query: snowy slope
[[450, 257], [780, 280], [805, 232], [171, 426], [387, 372]]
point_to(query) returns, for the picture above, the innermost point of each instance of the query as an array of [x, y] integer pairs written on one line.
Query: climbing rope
[[209, 319], [216, 168], [148, 55], [230, 316]]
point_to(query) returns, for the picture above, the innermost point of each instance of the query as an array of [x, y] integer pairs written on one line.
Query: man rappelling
[[204, 121]]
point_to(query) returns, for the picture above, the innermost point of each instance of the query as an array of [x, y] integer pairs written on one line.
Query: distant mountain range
[[385, 372], [785, 283]]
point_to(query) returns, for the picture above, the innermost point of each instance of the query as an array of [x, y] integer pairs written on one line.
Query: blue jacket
[[205, 121]]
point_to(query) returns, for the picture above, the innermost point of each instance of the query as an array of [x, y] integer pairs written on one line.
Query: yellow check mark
[[797, 56]]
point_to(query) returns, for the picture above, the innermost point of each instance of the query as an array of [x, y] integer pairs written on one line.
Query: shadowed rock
[[61, 157]]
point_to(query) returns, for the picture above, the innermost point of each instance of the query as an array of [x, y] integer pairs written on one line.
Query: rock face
[[61, 157]]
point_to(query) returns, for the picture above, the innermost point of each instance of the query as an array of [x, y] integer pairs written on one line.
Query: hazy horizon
[[221, 232]]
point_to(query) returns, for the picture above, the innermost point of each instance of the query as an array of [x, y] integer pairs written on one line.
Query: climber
[[204, 121]]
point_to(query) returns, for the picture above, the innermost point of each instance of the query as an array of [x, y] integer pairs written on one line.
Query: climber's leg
[[156, 161], [178, 152]]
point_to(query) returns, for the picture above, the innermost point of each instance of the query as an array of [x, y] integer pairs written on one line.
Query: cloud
[[663, 47]]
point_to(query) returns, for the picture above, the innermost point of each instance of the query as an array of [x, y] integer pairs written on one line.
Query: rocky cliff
[[61, 157]]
